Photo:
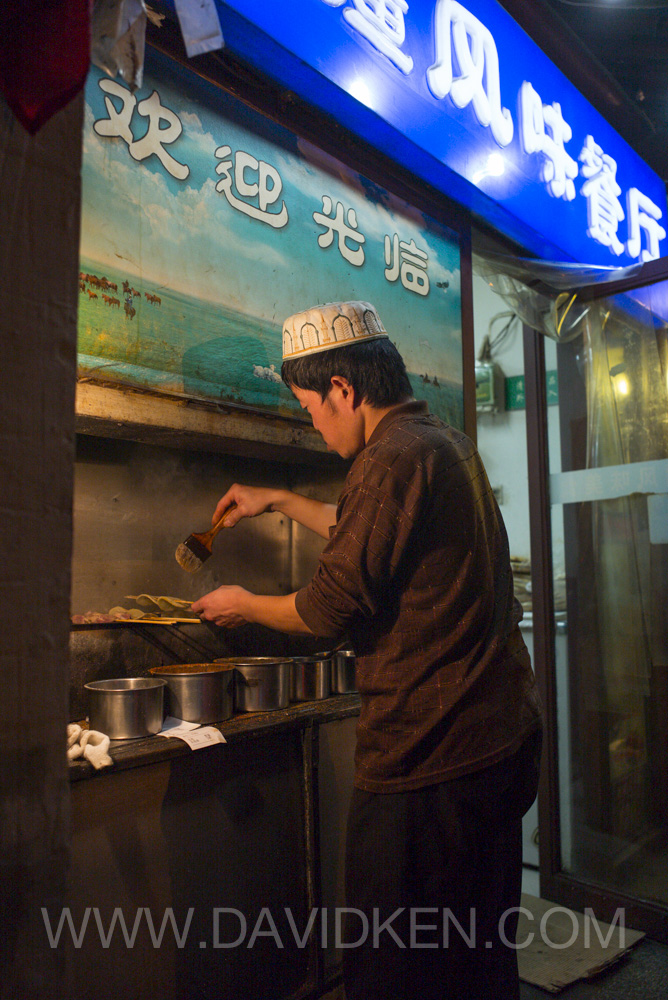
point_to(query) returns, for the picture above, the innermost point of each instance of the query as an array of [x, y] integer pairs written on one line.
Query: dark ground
[[642, 974]]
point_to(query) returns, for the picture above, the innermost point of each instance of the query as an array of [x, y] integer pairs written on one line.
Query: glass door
[[607, 483]]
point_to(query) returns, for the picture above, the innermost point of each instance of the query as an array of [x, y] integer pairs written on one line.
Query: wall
[[502, 436], [220, 829], [134, 503], [39, 220]]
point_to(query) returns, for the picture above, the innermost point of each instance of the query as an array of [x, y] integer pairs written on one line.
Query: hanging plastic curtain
[[544, 294]]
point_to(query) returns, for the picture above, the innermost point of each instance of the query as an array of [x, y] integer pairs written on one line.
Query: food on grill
[[151, 609], [166, 605]]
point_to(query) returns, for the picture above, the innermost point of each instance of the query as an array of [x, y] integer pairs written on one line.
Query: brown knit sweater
[[417, 572]]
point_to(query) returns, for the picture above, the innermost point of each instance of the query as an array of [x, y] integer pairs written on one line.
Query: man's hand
[[234, 606], [254, 500], [224, 606], [250, 501]]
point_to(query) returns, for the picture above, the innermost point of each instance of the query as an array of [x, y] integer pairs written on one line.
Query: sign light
[[461, 96]]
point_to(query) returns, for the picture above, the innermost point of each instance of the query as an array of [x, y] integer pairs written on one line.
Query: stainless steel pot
[[343, 672], [310, 678], [126, 708], [199, 692], [262, 683]]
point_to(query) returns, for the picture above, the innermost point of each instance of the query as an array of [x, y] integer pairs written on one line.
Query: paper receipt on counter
[[192, 733]]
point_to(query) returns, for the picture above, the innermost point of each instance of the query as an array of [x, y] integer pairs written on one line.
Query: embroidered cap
[[334, 324]]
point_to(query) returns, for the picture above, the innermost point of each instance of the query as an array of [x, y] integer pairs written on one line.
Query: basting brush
[[197, 547]]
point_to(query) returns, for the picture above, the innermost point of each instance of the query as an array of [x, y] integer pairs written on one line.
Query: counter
[[213, 873], [247, 726]]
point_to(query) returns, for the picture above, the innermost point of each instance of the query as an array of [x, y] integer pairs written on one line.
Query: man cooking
[[416, 571]]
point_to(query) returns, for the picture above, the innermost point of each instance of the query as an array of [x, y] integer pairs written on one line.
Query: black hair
[[374, 368]]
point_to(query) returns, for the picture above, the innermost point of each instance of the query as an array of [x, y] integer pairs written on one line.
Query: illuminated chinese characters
[[544, 130], [541, 149], [381, 22], [604, 209], [463, 67], [462, 41], [643, 215]]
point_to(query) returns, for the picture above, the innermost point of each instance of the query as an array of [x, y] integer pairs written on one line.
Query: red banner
[[44, 56]]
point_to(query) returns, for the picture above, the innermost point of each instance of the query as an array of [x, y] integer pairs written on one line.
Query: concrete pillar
[[39, 262]]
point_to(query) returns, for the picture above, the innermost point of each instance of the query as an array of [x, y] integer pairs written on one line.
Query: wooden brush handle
[[211, 534]]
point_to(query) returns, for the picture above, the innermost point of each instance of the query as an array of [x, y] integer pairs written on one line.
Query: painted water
[[133, 332]]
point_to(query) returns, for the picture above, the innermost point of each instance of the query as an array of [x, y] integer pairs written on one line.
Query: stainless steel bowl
[[310, 678], [126, 708], [343, 672], [262, 683], [199, 692]]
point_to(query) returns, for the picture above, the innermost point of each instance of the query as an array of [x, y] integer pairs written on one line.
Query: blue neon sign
[[461, 96]]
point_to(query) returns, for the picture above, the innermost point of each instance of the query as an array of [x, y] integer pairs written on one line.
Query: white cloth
[[96, 748], [74, 748], [88, 743]]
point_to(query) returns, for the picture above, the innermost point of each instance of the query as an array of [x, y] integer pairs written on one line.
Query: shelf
[[247, 726], [175, 421]]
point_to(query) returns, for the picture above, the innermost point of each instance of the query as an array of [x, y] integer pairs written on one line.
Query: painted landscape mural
[[205, 225]]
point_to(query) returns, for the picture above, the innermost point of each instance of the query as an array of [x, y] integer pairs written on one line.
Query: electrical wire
[[502, 335], [490, 343]]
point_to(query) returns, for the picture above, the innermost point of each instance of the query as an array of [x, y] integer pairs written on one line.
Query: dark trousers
[[432, 880]]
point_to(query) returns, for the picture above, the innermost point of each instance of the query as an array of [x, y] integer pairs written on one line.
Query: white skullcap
[[334, 324]]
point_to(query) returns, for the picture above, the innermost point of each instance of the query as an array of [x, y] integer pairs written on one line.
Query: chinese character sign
[[205, 225], [463, 83], [119, 121], [463, 41], [233, 180]]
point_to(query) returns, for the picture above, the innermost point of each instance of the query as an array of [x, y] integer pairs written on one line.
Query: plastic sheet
[[544, 294], [200, 26], [118, 30]]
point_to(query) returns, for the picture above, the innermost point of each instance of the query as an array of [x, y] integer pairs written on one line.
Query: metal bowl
[[261, 683], [343, 672], [126, 708], [199, 692], [310, 678]]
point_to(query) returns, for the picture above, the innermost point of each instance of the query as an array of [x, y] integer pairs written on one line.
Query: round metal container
[[343, 672], [199, 692], [310, 678], [261, 683], [126, 708]]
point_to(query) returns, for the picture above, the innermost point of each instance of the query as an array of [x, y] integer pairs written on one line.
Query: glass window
[[608, 445]]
